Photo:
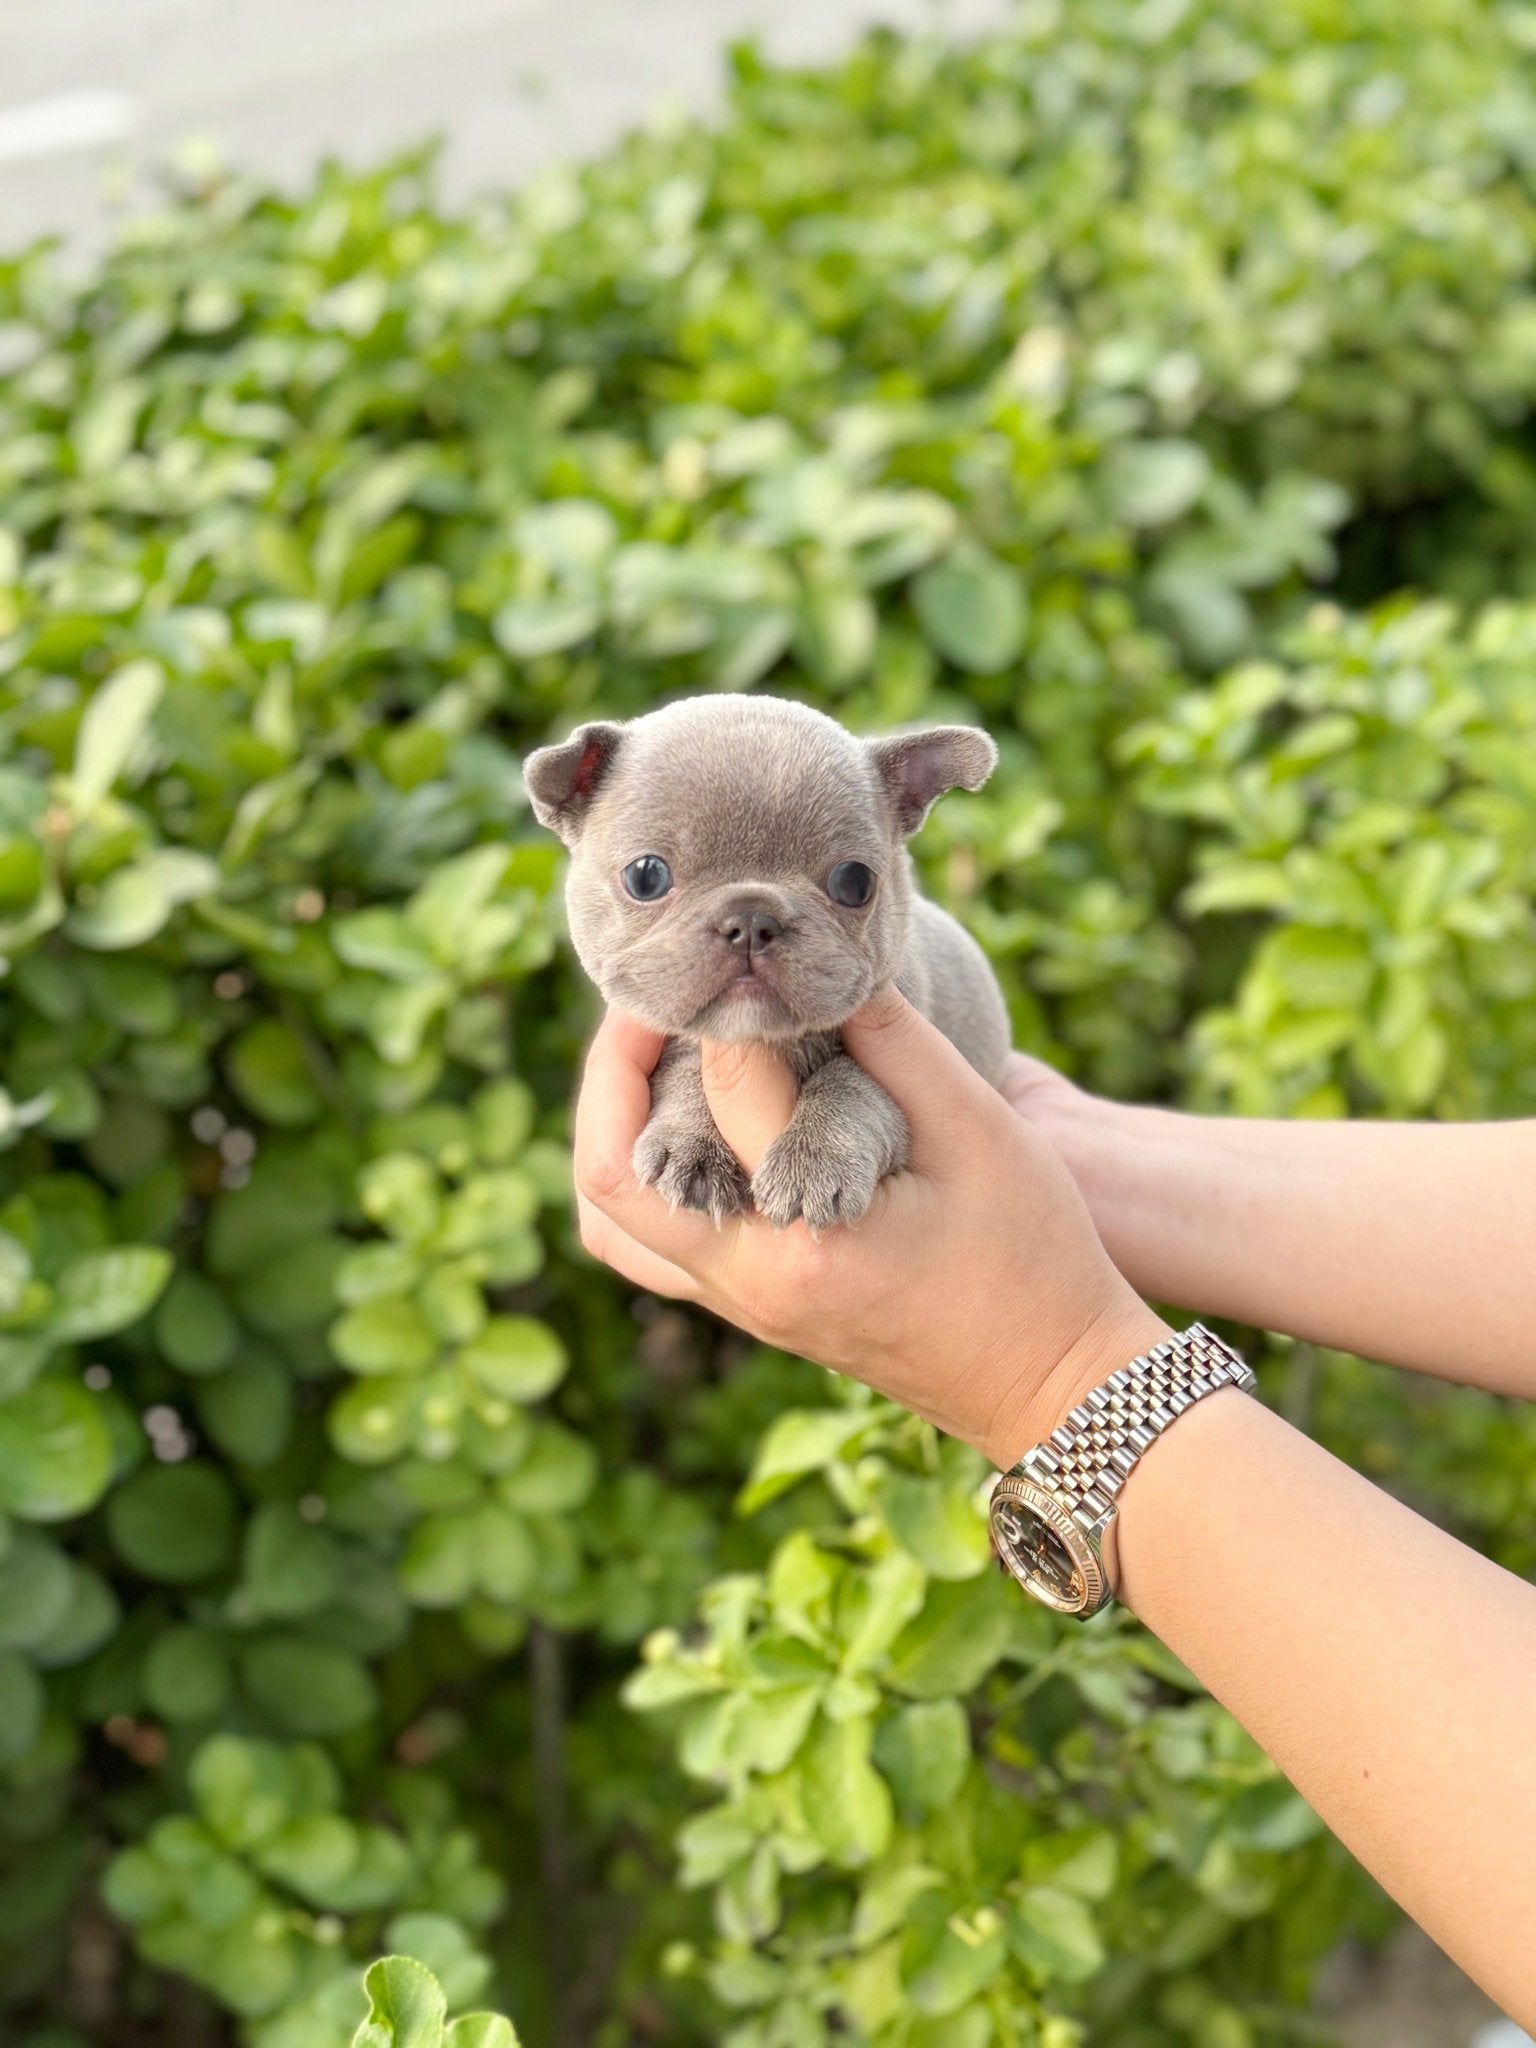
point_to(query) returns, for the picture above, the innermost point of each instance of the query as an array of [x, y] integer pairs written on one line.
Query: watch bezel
[[1083, 1553]]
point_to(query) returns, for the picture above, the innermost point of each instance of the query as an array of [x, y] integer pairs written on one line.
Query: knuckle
[[603, 1177], [888, 1014], [728, 1067]]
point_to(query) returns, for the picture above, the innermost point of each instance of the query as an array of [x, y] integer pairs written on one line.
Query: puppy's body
[[765, 820]]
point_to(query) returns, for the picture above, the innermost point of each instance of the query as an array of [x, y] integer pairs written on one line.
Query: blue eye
[[851, 884], [647, 879]]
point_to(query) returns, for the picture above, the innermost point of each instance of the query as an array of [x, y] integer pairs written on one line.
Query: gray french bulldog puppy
[[739, 871]]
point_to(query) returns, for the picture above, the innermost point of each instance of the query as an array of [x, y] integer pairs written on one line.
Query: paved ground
[[1410, 1997], [93, 90]]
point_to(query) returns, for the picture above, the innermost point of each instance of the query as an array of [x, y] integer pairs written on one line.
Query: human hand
[[975, 1291], [1038, 1092]]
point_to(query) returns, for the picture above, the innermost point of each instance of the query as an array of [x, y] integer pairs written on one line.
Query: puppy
[[739, 871]]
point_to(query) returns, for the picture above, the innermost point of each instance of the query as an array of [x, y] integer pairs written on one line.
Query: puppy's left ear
[[562, 781], [917, 768]]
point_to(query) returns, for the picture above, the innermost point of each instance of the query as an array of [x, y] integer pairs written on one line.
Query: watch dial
[[1036, 1553]]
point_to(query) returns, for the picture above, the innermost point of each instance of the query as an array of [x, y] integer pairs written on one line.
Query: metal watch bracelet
[[1053, 1515]]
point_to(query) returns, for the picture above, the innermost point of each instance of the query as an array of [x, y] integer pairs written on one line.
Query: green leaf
[[1317, 970], [961, 1631], [138, 1887], [389, 1335], [244, 1790], [515, 1358], [15, 1273], [111, 726], [176, 1523], [945, 1531], [91, 1619], [1083, 1861], [290, 1567], [481, 2030], [946, 1961], [193, 1325], [308, 1687], [314, 1855], [806, 1440], [502, 1116], [506, 1562], [1053, 1933], [186, 1675], [556, 1473], [248, 1410], [105, 1291], [270, 1073], [531, 626], [128, 909], [36, 1589], [1151, 483], [406, 2007], [835, 639], [924, 1752], [374, 1421], [439, 1566], [845, 1799], [872, 1607], [973, 609], [55, 1452], [571, 534], [442, 1944]]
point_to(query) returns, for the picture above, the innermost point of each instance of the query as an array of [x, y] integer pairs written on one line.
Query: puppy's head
[[738, 864]]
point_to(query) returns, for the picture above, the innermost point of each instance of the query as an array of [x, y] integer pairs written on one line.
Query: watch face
[[1042, 1546]]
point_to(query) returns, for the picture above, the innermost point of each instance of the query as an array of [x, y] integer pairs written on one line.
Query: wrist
[[1098, 1139], [1122, 1329]]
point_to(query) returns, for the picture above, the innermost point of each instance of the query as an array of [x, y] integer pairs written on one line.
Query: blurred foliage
[[1108, 382]]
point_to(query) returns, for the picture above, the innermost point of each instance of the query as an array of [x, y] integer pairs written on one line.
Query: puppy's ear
[[562, 781], [917, 768]]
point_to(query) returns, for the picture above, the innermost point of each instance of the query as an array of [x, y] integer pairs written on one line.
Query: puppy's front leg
[[680, 1151], [845, 1136]]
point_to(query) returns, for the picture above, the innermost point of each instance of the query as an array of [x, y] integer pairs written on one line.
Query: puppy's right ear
[[562, 781]]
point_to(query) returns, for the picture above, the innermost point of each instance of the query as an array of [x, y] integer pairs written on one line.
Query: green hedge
[[376, 1573]]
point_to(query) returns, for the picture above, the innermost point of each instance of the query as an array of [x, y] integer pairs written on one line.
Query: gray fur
[[752, 801]]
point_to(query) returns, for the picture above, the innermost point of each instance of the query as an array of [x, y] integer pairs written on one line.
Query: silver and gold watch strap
[[1088, 1459], [1053, 1516]]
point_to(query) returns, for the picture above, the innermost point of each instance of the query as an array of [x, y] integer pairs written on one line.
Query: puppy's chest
[[813, 1051]]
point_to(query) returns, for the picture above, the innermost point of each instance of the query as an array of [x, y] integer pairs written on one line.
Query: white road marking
[[68, 121]]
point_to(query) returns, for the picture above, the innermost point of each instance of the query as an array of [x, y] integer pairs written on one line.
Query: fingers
[[933, 1085], [611, 1112], [1025, 1079], [637, 1264], [751, 1095]]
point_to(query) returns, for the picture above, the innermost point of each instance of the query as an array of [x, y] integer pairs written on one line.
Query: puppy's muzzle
[[750, 925]]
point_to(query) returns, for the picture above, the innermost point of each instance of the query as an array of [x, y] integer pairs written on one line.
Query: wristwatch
[[1053, 1515]]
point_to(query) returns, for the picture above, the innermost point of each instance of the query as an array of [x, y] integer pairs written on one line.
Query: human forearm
[[1411, 1243], [1386, 1668]]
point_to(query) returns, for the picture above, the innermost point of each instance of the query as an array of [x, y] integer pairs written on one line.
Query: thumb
[[751, 1095], [930, 1081]]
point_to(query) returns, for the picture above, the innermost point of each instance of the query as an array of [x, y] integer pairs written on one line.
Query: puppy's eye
[[647, 879], [851, 884]]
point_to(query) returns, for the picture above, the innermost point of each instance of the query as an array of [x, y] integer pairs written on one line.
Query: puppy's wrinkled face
[[738, 864]]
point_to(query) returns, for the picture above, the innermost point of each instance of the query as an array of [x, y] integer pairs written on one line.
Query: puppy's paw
[[823, 1180], [694, 1169]]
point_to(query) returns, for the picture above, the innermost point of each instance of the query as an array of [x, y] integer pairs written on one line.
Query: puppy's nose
[[748, 928]]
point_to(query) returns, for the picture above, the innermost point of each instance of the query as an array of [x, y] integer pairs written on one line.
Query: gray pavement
[[94, 92]]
